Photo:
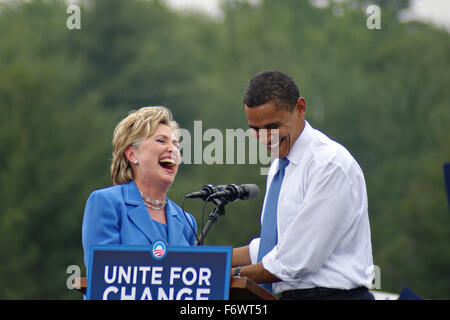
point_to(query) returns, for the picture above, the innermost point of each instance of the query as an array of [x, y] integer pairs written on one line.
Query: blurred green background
[[381, 93]]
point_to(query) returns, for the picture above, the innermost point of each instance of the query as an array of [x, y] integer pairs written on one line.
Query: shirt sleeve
[[322, 219], [253, 249]]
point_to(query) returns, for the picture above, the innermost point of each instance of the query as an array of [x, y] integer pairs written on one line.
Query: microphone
[[206, 191], [234, 192]]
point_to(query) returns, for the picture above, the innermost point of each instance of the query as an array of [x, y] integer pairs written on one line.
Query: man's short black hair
[[270, 86]]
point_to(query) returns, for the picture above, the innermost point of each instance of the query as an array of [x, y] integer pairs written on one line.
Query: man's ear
[[301, 105]]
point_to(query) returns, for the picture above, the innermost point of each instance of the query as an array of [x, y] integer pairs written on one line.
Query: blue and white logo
[[159, 250]]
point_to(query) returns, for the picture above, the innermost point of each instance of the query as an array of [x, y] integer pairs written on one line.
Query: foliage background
[[381, 93]]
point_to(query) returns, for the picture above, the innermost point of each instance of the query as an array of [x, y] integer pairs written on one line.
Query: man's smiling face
[[283, 126]]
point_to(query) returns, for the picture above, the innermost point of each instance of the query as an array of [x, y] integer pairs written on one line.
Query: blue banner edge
[[219, 249]]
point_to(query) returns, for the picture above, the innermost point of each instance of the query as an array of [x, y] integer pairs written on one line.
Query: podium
[[241, 288]]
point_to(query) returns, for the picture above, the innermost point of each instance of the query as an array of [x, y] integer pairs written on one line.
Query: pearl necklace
[[153, 204]]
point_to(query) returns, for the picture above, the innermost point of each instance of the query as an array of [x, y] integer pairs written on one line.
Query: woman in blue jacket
[[136, 210]]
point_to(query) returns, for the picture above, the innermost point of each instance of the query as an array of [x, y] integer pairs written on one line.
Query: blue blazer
[[118, 215]]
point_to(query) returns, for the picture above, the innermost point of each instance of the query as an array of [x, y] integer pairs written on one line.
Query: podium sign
[[159, 273]]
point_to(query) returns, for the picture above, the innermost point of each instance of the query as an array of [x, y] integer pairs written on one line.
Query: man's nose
[[268, 136]]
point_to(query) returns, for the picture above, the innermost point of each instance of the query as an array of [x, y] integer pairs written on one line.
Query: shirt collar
[[300, 145]]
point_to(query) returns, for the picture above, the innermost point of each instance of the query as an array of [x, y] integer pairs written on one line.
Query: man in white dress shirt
[[323, 248]]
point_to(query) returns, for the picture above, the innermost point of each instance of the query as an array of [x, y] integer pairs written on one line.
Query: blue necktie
[[269, 237]]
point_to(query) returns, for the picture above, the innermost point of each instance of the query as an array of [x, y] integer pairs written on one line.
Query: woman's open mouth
[[168, 164]]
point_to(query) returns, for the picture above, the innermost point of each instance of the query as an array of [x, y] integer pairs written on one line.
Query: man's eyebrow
[[267, 126]]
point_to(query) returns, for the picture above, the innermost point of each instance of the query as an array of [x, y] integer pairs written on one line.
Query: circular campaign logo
[[159, 250]]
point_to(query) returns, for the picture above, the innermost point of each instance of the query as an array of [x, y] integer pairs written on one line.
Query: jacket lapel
[[141, 218], [175, 226], [139, 214]]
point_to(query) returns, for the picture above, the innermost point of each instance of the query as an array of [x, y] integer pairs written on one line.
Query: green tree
[[382, 93]]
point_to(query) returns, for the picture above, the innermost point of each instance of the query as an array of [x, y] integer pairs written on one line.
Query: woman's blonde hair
[[131, 131]]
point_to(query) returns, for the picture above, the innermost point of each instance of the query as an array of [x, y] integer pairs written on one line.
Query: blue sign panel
[[160, 272]]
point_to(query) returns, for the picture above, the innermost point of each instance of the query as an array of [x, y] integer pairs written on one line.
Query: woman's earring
[[136, 162]]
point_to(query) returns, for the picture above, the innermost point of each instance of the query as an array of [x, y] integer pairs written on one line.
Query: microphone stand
[[213, 216]]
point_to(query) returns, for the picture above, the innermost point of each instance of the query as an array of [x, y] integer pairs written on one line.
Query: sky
[[436, 12], [433, 11]]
